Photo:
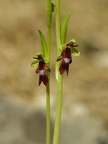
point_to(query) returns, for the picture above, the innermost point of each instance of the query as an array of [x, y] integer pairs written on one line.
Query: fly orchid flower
[[66, 58], [42, 69]]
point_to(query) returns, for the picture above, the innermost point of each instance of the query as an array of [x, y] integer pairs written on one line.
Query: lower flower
[[42, 69]]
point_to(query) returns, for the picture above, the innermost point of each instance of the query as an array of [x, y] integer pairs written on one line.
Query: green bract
[[43, 43], [64, 28]]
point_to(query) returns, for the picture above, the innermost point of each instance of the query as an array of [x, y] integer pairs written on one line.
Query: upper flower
[[66, 58]]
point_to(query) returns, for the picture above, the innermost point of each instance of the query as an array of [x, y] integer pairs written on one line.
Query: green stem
[[48, 113], [49, 16], [48, 92], [59, 79], [58, 111]]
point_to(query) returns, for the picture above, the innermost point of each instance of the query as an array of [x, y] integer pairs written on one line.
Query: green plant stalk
[[49, 16], [48, 94], [48, 112], [58, 78], [58, 111]]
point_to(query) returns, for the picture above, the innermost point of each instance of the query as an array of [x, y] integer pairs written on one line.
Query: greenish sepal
[[72, 40], [75, 52], [34, 63], [37, 54]]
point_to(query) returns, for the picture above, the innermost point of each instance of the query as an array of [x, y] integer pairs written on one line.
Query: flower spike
[[42, 69]]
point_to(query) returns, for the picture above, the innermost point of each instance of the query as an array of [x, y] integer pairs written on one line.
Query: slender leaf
[[64, 28], [43, 43], [75, 52]]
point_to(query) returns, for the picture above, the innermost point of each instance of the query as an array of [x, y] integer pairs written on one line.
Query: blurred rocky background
[[85, 100]]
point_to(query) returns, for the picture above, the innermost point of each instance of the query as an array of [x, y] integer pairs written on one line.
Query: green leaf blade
[[64, 28]]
